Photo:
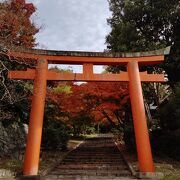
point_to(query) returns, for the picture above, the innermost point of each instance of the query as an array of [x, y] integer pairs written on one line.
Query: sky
[[72, 25]]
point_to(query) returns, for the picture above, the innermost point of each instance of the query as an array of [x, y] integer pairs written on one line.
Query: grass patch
[[11, 164], [169, 168], [171, 177]]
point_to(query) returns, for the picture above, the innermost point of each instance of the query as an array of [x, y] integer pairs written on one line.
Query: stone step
[[85, 146], [101, 153], [94, 142], [97, 148], [92, 162], [94, 154], [92, 172], [104, 156], [80, 177], [92, 167], [97, 163], [94, 159]]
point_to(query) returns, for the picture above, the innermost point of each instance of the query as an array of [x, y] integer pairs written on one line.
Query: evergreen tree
[[143, 25]]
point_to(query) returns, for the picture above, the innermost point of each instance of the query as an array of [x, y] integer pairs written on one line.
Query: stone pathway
[[95, 159]]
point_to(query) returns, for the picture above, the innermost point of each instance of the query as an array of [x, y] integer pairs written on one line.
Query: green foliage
[[58, 70], [104, 127], [167, 143], [170, 111], [55, 130], [55, 136], [82, 124], [19, 110], [129, 137], [166, 140], [62, 89], [143, 25]]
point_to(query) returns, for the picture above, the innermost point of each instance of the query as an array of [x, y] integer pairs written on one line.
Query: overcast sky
[[72, 24]]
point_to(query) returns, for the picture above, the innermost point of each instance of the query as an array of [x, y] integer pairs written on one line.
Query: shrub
[[170, 112], [55, 136]]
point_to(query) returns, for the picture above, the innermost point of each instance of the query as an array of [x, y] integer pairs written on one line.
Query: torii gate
[[41, 74]]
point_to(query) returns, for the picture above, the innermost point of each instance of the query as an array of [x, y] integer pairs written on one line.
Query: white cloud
[[72, 24]]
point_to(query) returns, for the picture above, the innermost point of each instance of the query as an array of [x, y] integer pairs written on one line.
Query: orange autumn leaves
[[105, 101], [16, 27]]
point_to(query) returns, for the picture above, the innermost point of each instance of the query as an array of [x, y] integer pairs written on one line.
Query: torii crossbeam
[[41, 74]]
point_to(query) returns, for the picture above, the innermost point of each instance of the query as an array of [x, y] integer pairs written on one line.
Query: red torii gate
[[41, 74]]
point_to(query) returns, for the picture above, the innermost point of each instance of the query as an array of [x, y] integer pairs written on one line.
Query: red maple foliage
[[16, 30], [104, 100], [16, 27]]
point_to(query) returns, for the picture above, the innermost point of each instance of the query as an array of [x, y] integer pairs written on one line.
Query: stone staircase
[[95, 159]]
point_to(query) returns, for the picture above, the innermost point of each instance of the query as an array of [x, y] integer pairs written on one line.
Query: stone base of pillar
[[150, 175], [37, 177]]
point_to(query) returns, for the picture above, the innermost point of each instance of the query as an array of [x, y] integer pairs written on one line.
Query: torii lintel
[[96, 58], [57, 76], [88, 59]]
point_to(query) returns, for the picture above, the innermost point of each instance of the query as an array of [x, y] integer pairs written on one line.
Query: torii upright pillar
[[31, 161], [139, 119]]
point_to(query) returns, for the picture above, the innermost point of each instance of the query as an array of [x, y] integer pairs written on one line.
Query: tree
[[170, 111], [143, 25], [104, 101], [146, 25], [16, 30], [166, 140], [55, 130]]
